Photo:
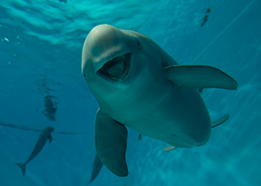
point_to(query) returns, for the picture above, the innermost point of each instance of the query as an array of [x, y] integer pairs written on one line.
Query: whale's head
[[48, 129], [107, 54], [112, 61]]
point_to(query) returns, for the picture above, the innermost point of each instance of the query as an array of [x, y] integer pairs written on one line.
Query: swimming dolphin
[[45, 134], [138, 85], [96, 167]]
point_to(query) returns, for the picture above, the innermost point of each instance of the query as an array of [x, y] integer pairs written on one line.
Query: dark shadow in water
[[50, 101], [50, 104]]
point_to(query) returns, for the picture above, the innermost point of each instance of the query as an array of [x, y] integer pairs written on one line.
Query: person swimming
[[205, 19]]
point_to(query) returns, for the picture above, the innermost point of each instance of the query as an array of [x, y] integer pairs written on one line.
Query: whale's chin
[[116, 69]]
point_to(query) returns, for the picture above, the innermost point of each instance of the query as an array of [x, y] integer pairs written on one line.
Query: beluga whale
[[42, 139], [140, 86]]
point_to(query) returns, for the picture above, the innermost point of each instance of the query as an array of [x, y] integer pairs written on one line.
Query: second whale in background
[[44, 136]]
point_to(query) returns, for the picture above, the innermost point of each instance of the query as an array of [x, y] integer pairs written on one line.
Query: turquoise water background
[[40, 52]]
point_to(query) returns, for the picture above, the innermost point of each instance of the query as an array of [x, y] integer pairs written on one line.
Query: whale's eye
[[138, 43], [84, 75]]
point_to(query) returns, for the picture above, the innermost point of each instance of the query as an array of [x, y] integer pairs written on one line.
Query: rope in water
[[39, 130], [222, 31]]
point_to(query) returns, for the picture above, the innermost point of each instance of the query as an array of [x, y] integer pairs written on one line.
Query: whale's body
[[138, 85]]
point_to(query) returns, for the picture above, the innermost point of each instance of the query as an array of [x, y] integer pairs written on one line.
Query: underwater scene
[[130, 93]]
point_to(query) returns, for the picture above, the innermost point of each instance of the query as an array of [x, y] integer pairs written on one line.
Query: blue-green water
[[40, 54]]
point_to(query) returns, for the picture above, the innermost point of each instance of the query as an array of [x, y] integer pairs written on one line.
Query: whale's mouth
[[116, 69]]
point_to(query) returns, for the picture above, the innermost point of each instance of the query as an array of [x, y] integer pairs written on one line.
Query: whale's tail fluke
[[22, 167]]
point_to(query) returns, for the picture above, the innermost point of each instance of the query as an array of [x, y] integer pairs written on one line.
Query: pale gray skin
[[138, 85], [44, 136]]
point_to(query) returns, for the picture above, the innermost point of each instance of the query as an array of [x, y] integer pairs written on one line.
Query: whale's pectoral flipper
[[199, 76], [111, 143], [96, 167], [50, 138], [22, 167], [219, 121]]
